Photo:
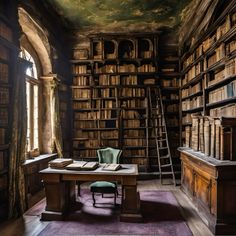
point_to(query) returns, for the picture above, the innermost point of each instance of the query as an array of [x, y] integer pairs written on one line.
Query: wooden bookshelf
[[208, 112], [110, 98], [208, 72], [7, 62]]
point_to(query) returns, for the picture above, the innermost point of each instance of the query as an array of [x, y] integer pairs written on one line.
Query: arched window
[[32, 89]]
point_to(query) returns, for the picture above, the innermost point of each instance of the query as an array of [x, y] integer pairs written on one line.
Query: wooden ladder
[[158, 124]]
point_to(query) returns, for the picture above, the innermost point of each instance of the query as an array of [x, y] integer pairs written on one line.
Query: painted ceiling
[[122, 15]]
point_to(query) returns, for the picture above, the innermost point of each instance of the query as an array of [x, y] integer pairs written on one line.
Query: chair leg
[[115, 198], [93, 195]]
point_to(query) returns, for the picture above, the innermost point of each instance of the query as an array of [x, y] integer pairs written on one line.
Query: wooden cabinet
[[33, 181], [211, 185]]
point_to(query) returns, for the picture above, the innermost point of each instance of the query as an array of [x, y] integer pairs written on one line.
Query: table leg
[[130, 210], [60, 196]]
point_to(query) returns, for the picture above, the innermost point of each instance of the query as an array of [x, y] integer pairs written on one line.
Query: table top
[[126, 169]]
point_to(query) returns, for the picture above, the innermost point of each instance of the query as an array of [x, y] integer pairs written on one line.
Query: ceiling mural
[[122, 15]]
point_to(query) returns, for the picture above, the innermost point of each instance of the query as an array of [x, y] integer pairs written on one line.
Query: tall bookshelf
[[8, 52], [208, 101], [170, 83], [109, 97], [209, 76]]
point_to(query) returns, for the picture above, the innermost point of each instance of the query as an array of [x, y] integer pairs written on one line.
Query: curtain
[[17, 198], [57, 134]]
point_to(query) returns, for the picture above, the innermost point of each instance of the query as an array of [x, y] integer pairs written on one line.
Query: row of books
[[210, 136], [192, 73], [127, 68], [89, 143], [217, 56], [77, 133], [86, 115], [129, 133], [84, 153], [192, 103], [225, 92], [191, 90], [135, 142], [133, 92], [109, 80], [226, 111], [130, 114], [230, 47], [109, 143], [81, 69], [81, 93], [147, 68], [85, 124], [134, 123], [137, 103], [81, 80], [134, 152], [174, 82]]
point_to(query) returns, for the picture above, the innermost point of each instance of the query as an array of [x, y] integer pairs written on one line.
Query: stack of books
[[60, 163]]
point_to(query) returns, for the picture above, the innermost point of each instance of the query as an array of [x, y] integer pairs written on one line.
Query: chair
[[110, 156]]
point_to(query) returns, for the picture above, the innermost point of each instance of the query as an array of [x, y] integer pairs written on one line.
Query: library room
[[117, 117]]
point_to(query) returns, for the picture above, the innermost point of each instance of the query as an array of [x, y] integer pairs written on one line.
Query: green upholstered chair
[[109, 156]]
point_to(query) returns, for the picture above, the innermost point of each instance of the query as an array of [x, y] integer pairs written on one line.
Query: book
[[112, 167], [82, 165], [59, 163]]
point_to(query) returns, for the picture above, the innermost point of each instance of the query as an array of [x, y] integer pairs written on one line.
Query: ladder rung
[[161, 140], [161, 148], [165, 157], [166, 165], [167, 173]]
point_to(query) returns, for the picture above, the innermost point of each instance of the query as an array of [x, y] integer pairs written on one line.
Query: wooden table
[[60, 190]]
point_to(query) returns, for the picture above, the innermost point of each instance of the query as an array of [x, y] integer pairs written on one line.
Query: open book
[[82, 165], [112, 167]]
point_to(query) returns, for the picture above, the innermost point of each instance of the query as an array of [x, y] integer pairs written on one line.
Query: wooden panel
[[187, 178], [202, 190]]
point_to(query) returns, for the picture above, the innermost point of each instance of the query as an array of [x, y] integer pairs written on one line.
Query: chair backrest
[[109, 155]]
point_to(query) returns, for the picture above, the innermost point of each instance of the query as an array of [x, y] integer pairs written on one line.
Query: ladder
[[158, 125]]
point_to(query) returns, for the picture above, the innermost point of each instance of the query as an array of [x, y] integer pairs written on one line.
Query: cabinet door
[[187, 178], [202, 190]]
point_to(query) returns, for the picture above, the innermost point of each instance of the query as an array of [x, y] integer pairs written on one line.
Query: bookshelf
[[7, 53], [110, 100], [208, 112], [208, 85]]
